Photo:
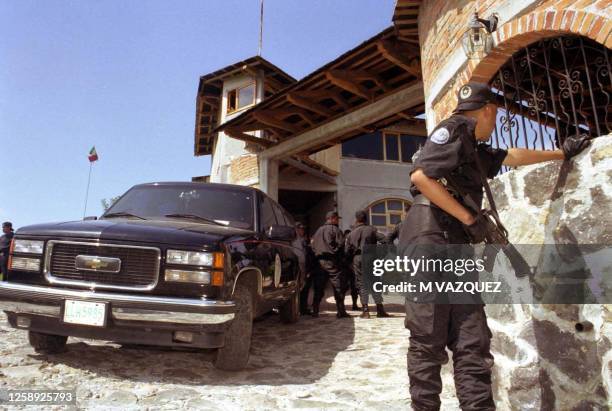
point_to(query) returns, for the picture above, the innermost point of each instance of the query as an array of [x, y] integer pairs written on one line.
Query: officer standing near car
[[5, 245], [364, 235], [305, 257], [328, 246], [439, 215]]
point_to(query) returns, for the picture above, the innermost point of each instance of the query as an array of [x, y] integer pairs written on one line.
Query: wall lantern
[[477, 41]]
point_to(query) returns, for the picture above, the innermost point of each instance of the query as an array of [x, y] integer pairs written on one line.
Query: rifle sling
[[483, 179]]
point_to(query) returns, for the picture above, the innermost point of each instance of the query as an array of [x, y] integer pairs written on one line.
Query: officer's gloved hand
[[477, 231], [574, 145]]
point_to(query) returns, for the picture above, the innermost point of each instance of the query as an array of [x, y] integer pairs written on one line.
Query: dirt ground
[[318, 363]]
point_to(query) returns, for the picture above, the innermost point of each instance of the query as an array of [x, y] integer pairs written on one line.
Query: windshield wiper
[[122, 214], [194, 217]]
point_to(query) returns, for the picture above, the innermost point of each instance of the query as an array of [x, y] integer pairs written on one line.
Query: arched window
[[385, 214], [551, 89]]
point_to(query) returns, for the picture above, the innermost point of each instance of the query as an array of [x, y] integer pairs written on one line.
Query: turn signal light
[[219, 260], [217, 278]]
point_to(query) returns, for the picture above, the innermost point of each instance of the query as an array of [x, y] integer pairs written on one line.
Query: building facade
[[341, 138]]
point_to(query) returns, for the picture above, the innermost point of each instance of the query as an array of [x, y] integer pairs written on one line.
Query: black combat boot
[[340, 308], [354, 297], [380, 311], [315, 310], [365, 313]]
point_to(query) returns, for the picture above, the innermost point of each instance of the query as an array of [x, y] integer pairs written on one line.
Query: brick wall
[[442, 23], [244, 170]]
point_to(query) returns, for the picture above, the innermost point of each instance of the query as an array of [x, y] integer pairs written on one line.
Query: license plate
[[85, 313]]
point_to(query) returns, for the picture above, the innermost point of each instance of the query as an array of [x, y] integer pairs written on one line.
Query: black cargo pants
[[331, 270], [364, 281], [433, 327]]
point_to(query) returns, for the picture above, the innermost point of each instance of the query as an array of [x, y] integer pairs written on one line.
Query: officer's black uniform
[[5, 244], [328, 246], [433, 327], [350, 274], [364, 235], [390, 238], [307, 265]]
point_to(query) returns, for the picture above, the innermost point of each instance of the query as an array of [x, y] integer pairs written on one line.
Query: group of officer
[[447, 181], [337, 257]]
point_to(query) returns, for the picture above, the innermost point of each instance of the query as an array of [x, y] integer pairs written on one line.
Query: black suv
[[171, 264]]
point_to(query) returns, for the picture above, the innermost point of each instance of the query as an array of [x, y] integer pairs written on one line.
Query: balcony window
[[240, 98]]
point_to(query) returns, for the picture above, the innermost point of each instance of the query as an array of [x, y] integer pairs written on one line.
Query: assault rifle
[[496, 238]]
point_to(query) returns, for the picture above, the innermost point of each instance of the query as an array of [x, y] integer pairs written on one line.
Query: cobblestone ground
[[321, 363]]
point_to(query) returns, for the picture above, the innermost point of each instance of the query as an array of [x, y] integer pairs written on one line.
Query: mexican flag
[[93, 155]]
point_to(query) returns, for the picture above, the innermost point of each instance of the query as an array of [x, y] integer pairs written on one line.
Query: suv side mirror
[[280, 232], [90, 218]]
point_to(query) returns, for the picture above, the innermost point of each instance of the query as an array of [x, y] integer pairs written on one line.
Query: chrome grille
[[139, 265]]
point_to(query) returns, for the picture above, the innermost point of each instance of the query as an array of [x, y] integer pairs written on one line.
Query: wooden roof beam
[[283, 113], [309, 104], [274, 122], [343, 80], [321, 94], [361, 75], [247, 137], [402, 55]]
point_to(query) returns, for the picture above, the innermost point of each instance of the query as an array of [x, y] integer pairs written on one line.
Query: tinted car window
[[225, 206], [289, 219], [267, 213], [280, 214]]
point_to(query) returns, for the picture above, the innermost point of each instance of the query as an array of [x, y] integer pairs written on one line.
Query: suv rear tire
[[234, 355], [47, 343], [290, 311]]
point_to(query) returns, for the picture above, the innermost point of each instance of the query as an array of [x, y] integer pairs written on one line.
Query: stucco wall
[[442, 23], [541, 360], [229, 149], [363, 182]]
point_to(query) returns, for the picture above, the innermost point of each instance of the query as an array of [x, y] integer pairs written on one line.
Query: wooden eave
[[208, 101], [405, 20], [376, 68]]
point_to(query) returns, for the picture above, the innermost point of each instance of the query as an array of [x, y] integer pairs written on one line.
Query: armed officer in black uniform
[[363, 235], [328, 246], [439, 215], [5, 245]]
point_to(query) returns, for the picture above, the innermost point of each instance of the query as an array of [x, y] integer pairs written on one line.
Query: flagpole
[[261, 13], [87, 192]]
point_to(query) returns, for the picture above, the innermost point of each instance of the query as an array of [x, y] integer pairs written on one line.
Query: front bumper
[[123, 308]]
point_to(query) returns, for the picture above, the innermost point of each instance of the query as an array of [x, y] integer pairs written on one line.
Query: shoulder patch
[[440, 136]]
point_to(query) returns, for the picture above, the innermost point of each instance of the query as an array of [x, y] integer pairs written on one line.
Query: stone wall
[[541, 360], [442, 23]]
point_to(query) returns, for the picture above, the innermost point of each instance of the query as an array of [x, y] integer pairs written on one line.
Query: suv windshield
[[196, 204]]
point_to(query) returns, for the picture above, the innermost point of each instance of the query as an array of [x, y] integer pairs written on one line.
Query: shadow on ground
[[281, 354]]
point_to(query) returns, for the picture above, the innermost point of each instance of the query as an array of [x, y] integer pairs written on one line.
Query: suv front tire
[[234, 355]]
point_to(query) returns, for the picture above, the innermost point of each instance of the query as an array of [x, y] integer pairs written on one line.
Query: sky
[[123, 76]]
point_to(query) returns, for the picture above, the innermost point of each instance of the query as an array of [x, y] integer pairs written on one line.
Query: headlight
[[184, 276], [28, 246], [25, 264], [194, 258]]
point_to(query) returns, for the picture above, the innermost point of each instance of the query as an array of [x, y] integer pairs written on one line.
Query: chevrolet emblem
[[97, 263]]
